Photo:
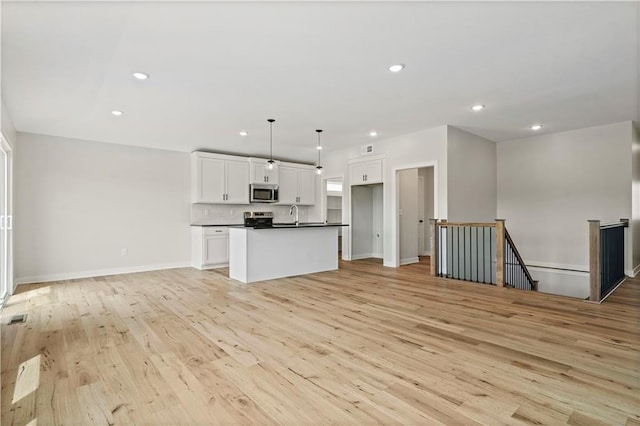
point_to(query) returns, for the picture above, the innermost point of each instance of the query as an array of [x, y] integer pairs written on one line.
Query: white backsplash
[[219, 214]]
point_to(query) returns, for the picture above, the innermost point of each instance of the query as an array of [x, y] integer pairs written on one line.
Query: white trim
[[426, 253], [363, 256], [365, 159], [635, 271], [205, 267], [409, 260], [560, 266], [100, 272], [395, 199]]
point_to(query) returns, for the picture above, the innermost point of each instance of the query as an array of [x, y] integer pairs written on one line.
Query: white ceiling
[[218, 68]]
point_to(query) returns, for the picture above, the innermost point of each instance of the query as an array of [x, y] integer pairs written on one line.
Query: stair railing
[[478, 252], [606, 258]]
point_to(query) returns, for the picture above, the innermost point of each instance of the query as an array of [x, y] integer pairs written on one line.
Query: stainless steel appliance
[[258, 219], [263, 193]]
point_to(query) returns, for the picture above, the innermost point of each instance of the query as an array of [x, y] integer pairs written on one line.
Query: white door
[[288, 185], [306, 187], [212, 188], [237, 182], [4, 226]]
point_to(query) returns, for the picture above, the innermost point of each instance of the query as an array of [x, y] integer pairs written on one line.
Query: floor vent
[[17, 319]]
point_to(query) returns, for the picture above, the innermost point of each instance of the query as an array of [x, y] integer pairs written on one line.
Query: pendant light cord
[[271, 120]]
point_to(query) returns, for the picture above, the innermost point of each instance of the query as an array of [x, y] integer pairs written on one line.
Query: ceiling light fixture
[[117, 113], [140, 75], [396, 68], [373, 133], [270, 163], [243, 133], [536, 127], [319, 166], [478, 107]]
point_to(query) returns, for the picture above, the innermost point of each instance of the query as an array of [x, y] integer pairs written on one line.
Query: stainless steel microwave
[[263, 193]]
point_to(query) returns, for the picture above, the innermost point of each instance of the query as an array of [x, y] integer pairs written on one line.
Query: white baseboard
[[426, 253], [205, 267], [99, 273], [361, 256], [409, 260], [389, 264], [635, 271]]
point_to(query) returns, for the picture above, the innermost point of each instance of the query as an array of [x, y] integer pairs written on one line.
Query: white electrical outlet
[[124, 252], [207, 212], [231, 212]]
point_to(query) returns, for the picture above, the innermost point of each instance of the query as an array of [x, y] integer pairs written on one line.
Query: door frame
[[323, 203], [395, 217], [8, 260]]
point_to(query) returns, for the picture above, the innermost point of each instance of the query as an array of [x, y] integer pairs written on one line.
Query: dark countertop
[[292, 225], [221, 224]]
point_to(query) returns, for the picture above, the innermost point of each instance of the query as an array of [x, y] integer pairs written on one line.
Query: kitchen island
[[278, 251]]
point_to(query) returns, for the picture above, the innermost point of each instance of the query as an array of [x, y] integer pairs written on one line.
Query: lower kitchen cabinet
[[209, 247]]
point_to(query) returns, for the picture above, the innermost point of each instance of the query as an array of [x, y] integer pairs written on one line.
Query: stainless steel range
[[258, 219]]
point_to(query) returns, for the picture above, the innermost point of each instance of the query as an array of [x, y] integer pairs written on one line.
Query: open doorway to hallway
[[416, 205]]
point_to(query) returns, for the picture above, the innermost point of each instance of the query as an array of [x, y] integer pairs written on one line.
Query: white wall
[[6, 125], [408, 215], [635, 197], [78, 203], [402, 152], [471, 177], [550, 185]]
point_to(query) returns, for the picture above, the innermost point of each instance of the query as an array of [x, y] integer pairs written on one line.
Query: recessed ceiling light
[[373, 133], [478, 107], [536, 127], [140, 75], [318, 147], [396, 68], [116, 113], [243, 133]]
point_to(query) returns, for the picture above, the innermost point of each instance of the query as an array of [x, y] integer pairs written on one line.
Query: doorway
[[416, 205], [367, 221], [5, 221], [333, 205]]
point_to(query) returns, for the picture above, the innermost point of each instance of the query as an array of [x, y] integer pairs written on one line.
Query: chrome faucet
[[291, 212]]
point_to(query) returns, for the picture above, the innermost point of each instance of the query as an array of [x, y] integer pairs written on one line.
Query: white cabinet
[[219, 179], [209, 247], [365, 172], [260, 174], [297, 185]]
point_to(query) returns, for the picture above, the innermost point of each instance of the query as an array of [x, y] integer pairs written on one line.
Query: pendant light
[[319, 166], [270, 165]]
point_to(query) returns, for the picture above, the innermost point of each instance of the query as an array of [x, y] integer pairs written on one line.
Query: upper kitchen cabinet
[[365, 172], [297, 185], [260, 174], [219, 179]]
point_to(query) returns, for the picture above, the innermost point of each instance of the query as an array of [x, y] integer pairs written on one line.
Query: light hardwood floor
[[362, 345]]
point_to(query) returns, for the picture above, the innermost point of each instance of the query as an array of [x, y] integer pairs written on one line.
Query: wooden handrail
[[515, 251], [447, 224]]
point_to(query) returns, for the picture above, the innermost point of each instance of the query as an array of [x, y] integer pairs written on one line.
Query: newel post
[[594, 261], [433, 223], [500, 252]]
